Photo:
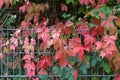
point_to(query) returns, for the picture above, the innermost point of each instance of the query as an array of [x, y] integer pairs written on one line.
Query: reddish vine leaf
[[63, 60], [86, 2], [25, 24], [43, 33], [64, 7], [28, 56], [75, 44], [30, 67], [17, 32], [82, 29], [14, 43], [75, 41], [118, 22], [1, 3], [44, 46], [75, 74], [68, 23], [35, 78], [42, 7], [8, 2], [103, 1], [117, 77], [55, 35], [61, 55], [118, 1], [108, 22], [28, 48], [1, 56], [42, 72], [22, 8], [103, 15], [45, 62], [89, 41], [98, 45], [109, 40], [60, 43], [109, 48], [65, 29], [116, 63], [96, 31]]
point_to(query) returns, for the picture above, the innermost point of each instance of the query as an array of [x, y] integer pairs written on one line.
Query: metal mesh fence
[[11, 66]]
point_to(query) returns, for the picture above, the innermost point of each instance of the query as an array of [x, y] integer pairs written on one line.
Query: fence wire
[[11, 66]]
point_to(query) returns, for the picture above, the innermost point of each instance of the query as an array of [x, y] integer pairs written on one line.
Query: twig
[[4, 21]]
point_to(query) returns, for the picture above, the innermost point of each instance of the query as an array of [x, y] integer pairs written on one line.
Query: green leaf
[[95, 59], [84, 67], [43, 77], [56, 69], [74, 59], [71, 78], [69, 1], [95, 78], [106, 67], [34, 34]]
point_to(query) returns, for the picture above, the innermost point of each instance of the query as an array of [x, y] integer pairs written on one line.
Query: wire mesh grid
[[11, 66]]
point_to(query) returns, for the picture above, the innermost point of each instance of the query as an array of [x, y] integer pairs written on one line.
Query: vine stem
[[4, 21]]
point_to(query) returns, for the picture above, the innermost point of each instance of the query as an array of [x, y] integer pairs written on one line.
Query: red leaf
[[103, 1], [75, 74], [8, 2], [75, 44], [96, 31], [68, 23], [75, 41], [71, 53], [60, 43], [28, 56], [112, 17], [118, 0], [43, 33], [25, 24], [82, 29], [64, 7], [99, 30], [102, 15], [45, 62], [81, 53], [17, 32], [1, 56], [42, 72], [86, 2], [63, 60], [22, 8], [55, 35], [35, 78], [108, 22], [30, 67], [14, 43], [58, 54], [117, 77], [66, 30], [88, 41], [98, 45], [92, 2], [1, 3]]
